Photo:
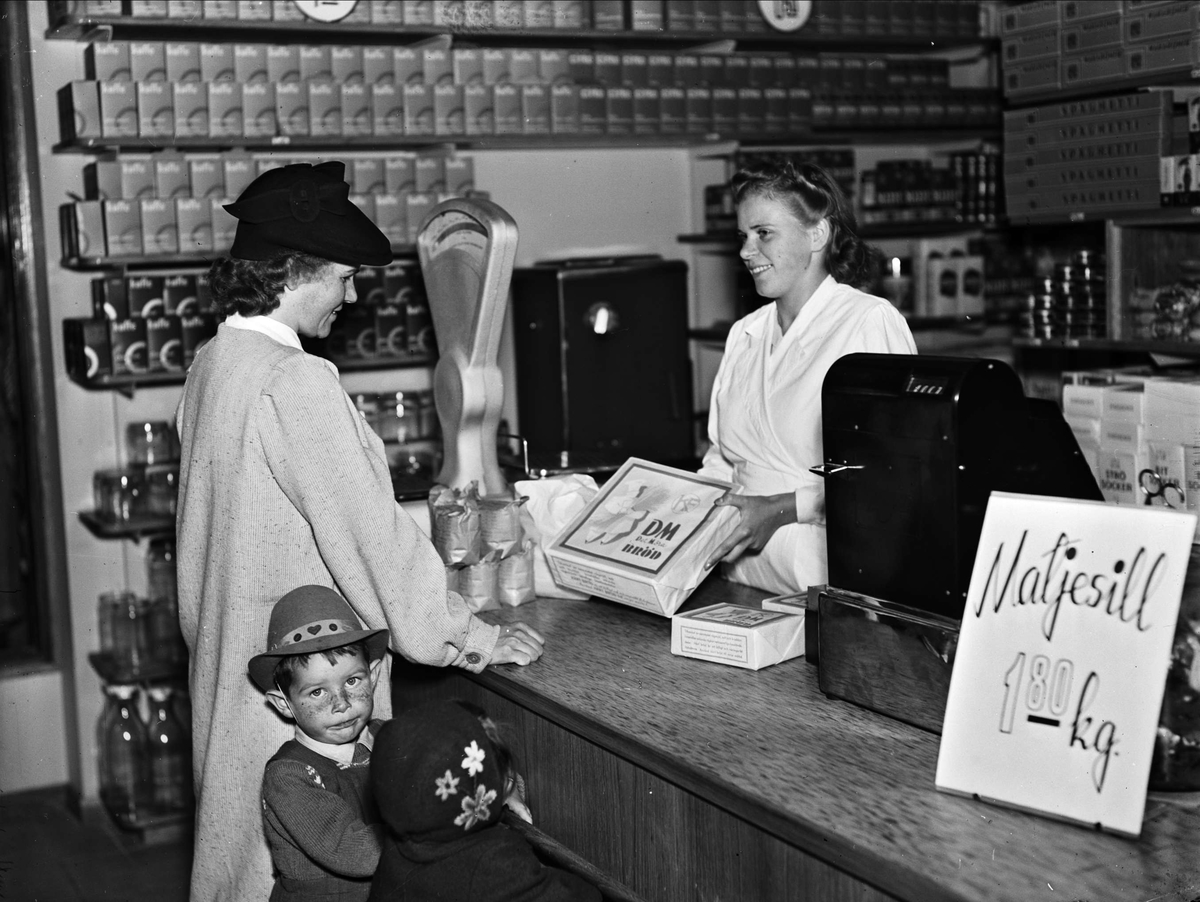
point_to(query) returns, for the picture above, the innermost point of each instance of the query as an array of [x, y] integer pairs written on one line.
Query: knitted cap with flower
[[434, 773]]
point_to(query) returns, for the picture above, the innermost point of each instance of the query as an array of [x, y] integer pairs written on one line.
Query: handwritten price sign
[[1062, 657]]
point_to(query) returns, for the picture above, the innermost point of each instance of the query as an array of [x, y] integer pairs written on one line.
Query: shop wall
[[564, 202]]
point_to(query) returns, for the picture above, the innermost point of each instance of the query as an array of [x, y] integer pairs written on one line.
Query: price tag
[[1062, 657]]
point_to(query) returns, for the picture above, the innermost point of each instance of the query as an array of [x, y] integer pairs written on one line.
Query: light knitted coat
[[283, 484]]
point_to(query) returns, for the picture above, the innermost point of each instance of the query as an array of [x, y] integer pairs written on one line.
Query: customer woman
[[797, 239], [282, 483]]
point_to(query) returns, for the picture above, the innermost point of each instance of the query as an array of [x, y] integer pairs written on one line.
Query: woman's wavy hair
[[812, 195], [253, 287]]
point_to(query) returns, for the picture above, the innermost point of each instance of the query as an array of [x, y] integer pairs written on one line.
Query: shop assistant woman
[[798, 242], [283, 484]]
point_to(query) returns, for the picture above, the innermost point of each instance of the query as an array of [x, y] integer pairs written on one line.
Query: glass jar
[[150, 442], [397, 416], [130, 632], [124, 762], [170, 755], [160, 570], [161, 489], [119, 495]]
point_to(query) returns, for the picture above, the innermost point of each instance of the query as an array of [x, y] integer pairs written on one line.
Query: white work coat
[[764, 421]]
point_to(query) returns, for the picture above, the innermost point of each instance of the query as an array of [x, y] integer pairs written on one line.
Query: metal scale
[[467, 247]]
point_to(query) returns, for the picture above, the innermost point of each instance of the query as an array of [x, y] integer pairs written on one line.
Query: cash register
[[914, 445]]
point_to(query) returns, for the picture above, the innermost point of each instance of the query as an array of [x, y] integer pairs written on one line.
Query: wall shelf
[[1131, 345], [134, 529], [166, 261], [1182, 75], [103, 28]]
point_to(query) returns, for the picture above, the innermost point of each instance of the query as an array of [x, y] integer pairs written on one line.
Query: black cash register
[[914, 445]]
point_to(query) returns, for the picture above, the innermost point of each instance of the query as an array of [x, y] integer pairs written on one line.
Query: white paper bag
[[553, 502]]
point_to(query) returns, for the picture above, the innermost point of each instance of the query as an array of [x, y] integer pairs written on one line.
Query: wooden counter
[[687, 780]]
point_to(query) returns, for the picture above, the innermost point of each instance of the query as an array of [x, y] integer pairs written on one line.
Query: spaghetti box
[[258, 111], [366, 174], [407, 66], [164, 349], [467, 65], [554, 67], [497, 66], [156, 110], [743, 637], [224, 224], [437, 66], [647, 116], [127, 339], [523, 67], [644, 538], [387, 110], [160, 229], [477, 109], [190, 101], [207, 177], [672, 111], [193, 219]]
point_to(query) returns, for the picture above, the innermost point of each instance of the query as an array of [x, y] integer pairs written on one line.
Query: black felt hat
[[306, 208]]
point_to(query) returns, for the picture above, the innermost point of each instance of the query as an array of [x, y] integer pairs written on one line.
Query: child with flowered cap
[[441, 775], [319, 671]]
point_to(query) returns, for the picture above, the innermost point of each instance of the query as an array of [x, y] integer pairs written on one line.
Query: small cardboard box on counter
[[644, 539], [733, 634]]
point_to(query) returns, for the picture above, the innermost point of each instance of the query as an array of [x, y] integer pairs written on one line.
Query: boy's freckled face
[[332, 702]]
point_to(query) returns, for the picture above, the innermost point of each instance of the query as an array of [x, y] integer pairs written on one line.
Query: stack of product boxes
[[1141, 434], [170, 204], [151, 322], [187, 90], [1048, 45]]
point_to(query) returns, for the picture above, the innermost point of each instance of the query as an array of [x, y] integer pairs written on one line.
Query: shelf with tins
[[139, 262]]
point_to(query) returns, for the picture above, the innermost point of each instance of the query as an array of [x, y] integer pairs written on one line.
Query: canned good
[[162, 489], [119, 495]]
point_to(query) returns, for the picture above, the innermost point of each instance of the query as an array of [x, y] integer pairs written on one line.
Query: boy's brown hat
[[308, 619]]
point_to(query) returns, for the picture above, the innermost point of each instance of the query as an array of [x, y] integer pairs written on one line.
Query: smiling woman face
[[312, 306], [778, 249]]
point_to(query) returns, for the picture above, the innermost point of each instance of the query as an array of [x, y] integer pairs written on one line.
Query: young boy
[[319, 671]]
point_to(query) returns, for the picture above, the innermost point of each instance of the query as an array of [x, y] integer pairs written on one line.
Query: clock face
[[327, 10], [785, 15]]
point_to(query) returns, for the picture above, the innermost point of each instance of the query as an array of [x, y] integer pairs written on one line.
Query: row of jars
[[1071, 303], [401, 416], [145, 761], [148, 485], [140, 634]]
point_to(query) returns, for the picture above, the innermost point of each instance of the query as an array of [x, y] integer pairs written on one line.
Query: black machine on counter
[[914, 446]]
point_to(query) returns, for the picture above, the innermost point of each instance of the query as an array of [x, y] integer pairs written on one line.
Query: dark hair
[[285, 670], [506, 762], [252, 287], [812, 195]]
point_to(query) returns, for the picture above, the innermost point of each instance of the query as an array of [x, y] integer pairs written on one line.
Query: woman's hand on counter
[[759, 516], [519, 643]]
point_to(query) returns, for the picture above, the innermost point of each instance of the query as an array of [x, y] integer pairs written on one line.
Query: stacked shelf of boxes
[[1099, 98]]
